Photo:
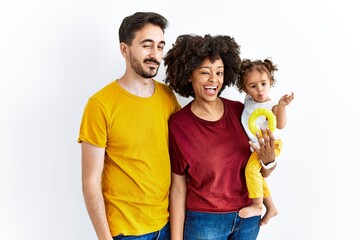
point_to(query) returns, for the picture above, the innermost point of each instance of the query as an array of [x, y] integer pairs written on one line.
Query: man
[[124, 139]]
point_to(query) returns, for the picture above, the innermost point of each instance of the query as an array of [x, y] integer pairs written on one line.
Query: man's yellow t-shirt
[[136, 176]]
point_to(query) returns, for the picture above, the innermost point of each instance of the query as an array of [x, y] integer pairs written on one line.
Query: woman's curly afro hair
[[189, 51]]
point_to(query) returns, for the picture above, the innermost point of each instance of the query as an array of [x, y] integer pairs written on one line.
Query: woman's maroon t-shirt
[[213, 155]]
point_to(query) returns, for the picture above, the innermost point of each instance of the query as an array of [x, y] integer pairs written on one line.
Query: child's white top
[[249, 106]]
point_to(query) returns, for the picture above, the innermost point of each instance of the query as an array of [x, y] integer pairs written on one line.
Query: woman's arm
[[178, 192]]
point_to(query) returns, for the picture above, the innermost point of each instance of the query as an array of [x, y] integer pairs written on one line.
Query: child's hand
[[286, 99]]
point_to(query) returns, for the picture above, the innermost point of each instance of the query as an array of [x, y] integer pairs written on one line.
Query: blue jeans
[[220, 226], [162, 234]]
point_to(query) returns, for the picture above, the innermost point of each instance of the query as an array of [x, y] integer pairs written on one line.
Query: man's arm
[[92, 167]]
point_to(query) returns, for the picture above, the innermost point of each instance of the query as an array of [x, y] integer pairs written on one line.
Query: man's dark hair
[[133, 23]]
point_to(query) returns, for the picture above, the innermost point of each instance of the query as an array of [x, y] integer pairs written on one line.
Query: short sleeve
[[93, 127]]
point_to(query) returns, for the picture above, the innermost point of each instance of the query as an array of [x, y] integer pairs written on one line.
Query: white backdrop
[[55, 54]]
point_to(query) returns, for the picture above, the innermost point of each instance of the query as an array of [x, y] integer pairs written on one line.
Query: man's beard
[[136, 65]]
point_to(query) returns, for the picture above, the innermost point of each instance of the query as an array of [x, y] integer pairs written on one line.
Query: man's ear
[[124, 49]]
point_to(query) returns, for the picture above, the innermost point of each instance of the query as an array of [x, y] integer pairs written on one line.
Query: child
[[257, 77]]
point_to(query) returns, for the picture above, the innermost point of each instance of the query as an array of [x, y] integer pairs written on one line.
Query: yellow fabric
[[136, 175], [270, 117], [256, 184]]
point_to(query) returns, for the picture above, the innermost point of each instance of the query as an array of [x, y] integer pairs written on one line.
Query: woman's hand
[[265, 149]]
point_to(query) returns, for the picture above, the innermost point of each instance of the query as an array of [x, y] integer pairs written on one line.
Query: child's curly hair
[[248, 66], [189, 51]]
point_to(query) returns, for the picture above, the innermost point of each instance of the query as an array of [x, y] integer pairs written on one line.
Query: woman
[[208, 146]]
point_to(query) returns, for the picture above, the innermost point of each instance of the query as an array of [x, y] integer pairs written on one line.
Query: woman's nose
[[212, 78]]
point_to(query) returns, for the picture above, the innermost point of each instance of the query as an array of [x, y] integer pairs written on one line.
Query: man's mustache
[[152, 60]]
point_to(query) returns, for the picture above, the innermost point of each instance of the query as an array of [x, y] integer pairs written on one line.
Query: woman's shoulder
[[233, 107], [180, 115], [232, 103]]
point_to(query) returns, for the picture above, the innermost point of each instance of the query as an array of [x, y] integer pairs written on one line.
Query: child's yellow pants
[[256, 184]]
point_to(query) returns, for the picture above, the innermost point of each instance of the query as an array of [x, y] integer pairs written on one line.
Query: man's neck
[[141, 87]]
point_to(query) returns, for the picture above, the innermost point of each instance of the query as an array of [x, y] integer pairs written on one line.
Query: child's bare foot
[[250, 211], [268, 215]]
